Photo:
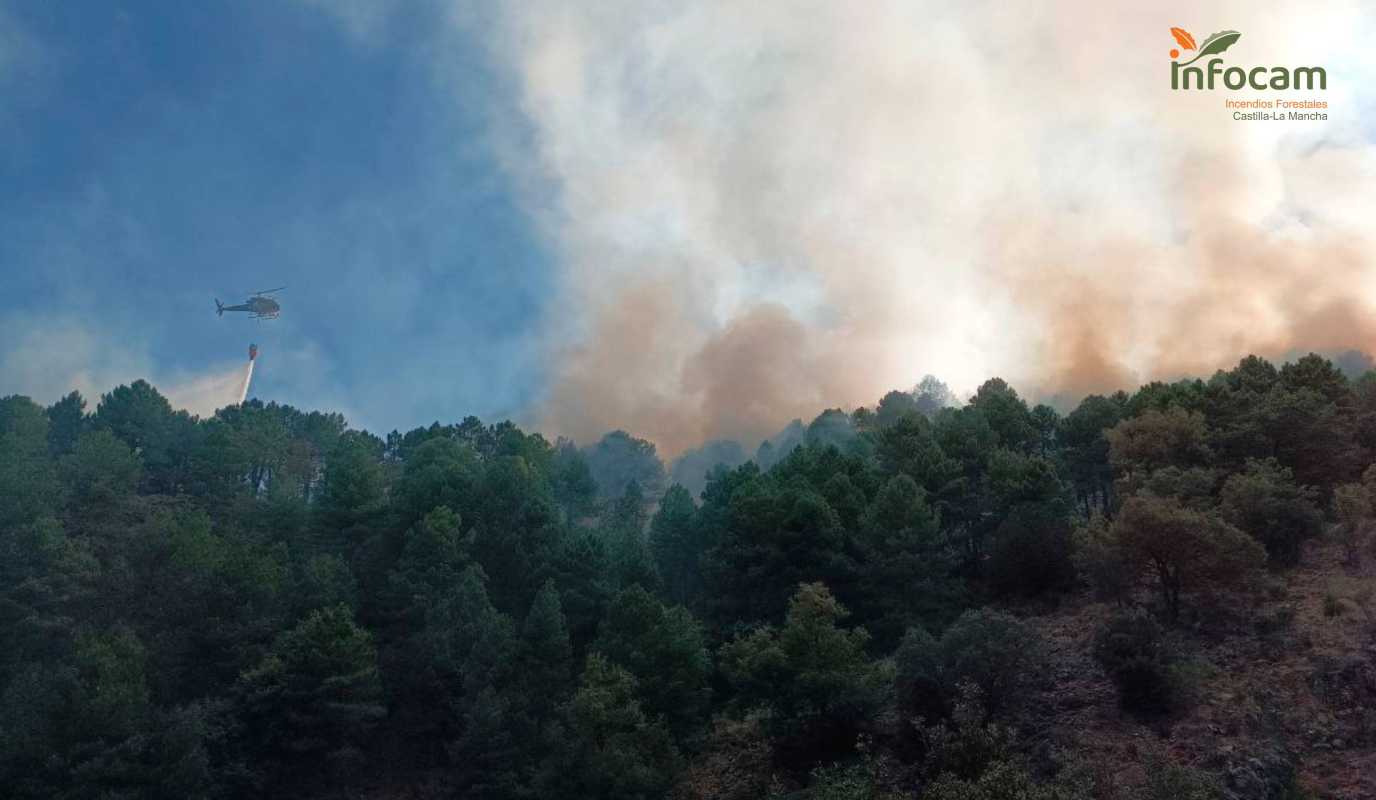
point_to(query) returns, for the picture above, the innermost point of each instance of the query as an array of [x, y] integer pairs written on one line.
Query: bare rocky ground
[[1291, 682]]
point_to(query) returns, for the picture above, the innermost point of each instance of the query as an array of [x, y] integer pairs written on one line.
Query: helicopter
[[259, 306]]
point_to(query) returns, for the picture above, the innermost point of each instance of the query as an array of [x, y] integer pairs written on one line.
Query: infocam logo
[[1184, 76]]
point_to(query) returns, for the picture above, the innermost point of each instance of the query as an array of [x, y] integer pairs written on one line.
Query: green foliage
[[619, 459], [966, 501], [1007, 414], [965, 436], [1264, 501], [513, 690], [920, 676], [546, 653], [1352, 507], [611, 749], [45, 577], [66, 420], [434, 668], [87, 728], [1085, 448], [211, 599], [1102, 563], [1158, 439], [1193, 487], [515, 522], [30, 551], [997, 653], [100, 470], [440, 472], [894, 406], [624, 529], [905, 569], [1306, 429], [352, 494], [143, 419], [1315, 373], [1182, 549], [324, 581], [265, 603], [1131, 648], [113, 693], [900, 511], [831, 428], [1031, 551], [310, 703], [663, 648], [811, 674], [774, 538], [909, 447], [434, 553], [1186, 394], [470, 641], [994, 652], [571, 481], [972, 758], [677, 546], [1032, 554], [29, 487], [489, 750], [583, 575], [967, 743], [846, 498], [1046, 421]]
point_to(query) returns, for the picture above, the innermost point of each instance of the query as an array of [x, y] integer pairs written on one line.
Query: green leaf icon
[[1216, 44]]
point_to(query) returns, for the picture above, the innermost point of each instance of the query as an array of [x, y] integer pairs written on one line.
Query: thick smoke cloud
[[767, 209]]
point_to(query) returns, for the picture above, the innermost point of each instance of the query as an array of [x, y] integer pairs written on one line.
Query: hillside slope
[[1294, 682]]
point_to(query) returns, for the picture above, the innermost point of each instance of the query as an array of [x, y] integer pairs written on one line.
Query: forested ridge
[[877, 604]]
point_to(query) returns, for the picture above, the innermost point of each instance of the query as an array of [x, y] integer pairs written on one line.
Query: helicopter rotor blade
[[270, 291]]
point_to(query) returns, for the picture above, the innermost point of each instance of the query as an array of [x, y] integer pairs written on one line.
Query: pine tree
[[434, 554], [29, 487], [66, 420], [676, 545], [663, 649], [546, 653], [612, 749], [583, 574], [310, 703]]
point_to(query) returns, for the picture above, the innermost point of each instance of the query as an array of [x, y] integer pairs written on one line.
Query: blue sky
[[682, 219], [158, 155]]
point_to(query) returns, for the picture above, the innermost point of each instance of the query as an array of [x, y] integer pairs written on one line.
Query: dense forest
[[269, 604]]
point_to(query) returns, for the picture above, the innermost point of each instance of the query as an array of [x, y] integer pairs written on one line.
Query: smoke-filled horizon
[[694, 223], [760, 214]]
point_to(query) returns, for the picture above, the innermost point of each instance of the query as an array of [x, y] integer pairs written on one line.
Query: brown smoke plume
[[767, 209]]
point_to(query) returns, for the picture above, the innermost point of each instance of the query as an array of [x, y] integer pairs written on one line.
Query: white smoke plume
[[47, 357], [765, 209]]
